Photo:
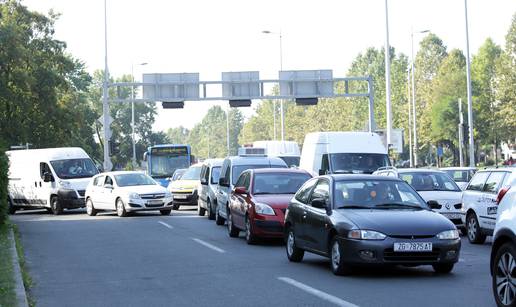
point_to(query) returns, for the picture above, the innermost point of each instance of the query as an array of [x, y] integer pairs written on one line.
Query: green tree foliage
[[42, 88], [178, 135], [3, 186]]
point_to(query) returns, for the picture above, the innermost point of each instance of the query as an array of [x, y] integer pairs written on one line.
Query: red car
[[259, 200]]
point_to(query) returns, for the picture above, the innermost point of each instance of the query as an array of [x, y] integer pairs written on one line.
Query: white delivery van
[[343, 153], [288, 151], [52, 178]]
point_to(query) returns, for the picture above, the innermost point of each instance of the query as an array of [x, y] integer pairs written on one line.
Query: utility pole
[[461, 134], [409, 119], [470, 102], [227, 130], [105, 105], [388, 78]]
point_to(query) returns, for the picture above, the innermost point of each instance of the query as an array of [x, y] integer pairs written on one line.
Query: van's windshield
[[74, 168], [357, 163]]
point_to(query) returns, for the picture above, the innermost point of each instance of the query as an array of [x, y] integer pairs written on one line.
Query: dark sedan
[[361, 220], [259, 200]]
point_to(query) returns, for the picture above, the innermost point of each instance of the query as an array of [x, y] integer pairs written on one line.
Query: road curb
[[21, 295]]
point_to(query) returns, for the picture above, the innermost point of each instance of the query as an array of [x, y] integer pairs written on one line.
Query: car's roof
[[121, 173], [279, 170], [506, 169], [458, 168], [256, 160], [213, 162], [418, 170], [343, 177]]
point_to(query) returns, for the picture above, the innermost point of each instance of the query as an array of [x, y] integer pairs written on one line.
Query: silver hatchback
[[210, 173]]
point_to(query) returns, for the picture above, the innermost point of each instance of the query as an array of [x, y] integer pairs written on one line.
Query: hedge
[[3, 186]]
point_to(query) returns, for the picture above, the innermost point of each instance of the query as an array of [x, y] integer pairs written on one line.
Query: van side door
[[224, 188], [488, 207], [43, 189]]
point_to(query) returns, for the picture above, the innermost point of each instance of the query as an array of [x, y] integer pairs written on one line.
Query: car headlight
[[360, 234], [448, 235], [263, 209], [65, 184], [134, 195]]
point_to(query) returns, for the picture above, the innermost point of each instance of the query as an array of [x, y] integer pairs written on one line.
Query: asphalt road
[[186, 260]]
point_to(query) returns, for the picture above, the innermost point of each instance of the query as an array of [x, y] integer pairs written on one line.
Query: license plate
[[453, 215], [154, 202], [413, 247], [180, 196]]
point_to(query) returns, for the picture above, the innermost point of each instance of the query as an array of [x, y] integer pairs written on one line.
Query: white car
[[126, 192], [435, 187], [503, 252], [480, 200], [461, 175]]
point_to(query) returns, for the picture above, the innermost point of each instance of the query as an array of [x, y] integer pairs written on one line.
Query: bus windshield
[[165, 160]]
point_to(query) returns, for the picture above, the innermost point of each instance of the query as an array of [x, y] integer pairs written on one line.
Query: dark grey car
[[368, 220]]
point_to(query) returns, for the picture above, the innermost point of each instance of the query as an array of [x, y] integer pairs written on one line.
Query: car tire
[[90, 209], [219, 220], [55, 205], [250, 238], [338, 266], [475, 235], [233, 232], [443, 268], [502, 274], [175, 206], [200, 211], [120, 208], [165, 212], [11, 208], [211, 214], [294, 253]]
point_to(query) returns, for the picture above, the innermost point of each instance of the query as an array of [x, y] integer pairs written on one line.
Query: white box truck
[[52, 178], [343, 153], [288, 151]]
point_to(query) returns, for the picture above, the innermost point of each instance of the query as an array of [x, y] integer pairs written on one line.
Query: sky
[[210, 37]]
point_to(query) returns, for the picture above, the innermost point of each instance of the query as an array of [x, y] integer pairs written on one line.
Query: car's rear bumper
[[360, 251]]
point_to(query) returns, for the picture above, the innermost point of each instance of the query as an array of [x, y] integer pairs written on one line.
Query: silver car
[[210, 173]]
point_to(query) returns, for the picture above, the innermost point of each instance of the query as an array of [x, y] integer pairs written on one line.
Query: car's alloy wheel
[[294, 253], [249, 236], [504, 276], [232, 230], [90, 210], [475, 236], [120, 209], [338, 266]]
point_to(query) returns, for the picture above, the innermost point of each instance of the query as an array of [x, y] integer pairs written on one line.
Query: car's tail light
[[501, 194]]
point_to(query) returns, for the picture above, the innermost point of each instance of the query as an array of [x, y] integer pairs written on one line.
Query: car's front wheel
[[443, 268], [175, 206], [219, 220], [120, 208], [338, 266], [90, 210], [475, 235], [165, 212], [211, 214], [504, 275], [249, 236], [233, 232], [200, 210], [294, 253], [55, 205]]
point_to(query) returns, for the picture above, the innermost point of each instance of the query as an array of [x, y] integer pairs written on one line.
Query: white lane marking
[[208, 245], [322, 295], [166, 225]]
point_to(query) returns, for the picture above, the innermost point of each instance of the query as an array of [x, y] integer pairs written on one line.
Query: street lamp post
[[388, 78], [105, 105], [414, 121], [132, 114], [282, 113], [409, 119], [470, 103]]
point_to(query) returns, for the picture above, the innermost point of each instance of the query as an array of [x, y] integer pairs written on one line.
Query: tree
[[178, 135]]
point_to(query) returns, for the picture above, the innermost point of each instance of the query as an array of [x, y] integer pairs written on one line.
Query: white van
[[288, 151], [343, 153], [52, 178]]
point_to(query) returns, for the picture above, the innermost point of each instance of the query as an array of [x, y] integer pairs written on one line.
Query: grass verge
[[27, 280], [7, 294]]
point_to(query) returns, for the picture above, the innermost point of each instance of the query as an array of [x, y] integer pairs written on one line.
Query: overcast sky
[[210, 37]]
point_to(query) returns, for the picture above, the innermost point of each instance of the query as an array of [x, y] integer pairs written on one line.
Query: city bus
[[163, 160]]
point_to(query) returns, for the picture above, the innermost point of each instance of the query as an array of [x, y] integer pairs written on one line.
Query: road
[[187, 260]]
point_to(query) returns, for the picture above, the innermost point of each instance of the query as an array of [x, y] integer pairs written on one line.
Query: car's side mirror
[[204, 181], [222, 181], [322, 172], [47, 177], [433, 204], [319, 203], [109, 186], [240, 190]]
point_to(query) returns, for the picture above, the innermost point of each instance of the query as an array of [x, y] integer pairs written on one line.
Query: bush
[[3, 186]]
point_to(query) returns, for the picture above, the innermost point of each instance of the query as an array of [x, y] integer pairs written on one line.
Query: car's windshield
[[238, 169], [128, 180], [163, 166], [278, 183], [430, 181], [193, 173], [178, 173], [215, 174], [74, 168], [376, 194], [460, 175], [291, 161], [357, 162]]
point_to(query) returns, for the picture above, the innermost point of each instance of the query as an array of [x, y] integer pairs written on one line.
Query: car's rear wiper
[[398, 205]]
